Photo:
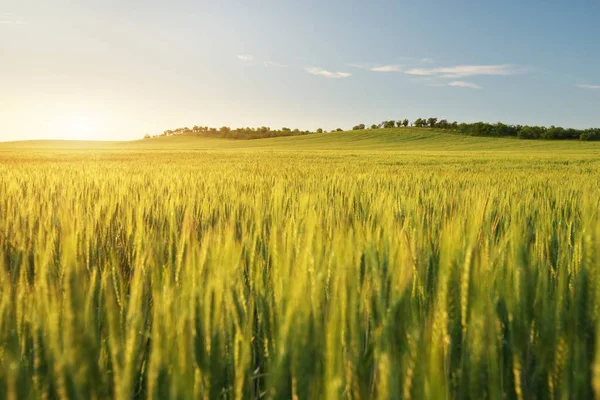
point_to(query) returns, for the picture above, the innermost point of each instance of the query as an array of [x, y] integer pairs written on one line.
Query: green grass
[[397, 140], [388, 264]]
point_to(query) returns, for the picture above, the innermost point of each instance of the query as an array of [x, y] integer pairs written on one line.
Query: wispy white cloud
[[246, 58], [274, 64], [461, 71], [464, 84], [586, 86], [387, 68], [460, 84], [327, 74], [375, 67]]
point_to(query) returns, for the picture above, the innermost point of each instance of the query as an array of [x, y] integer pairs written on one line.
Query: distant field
[[401, 263], [398, 140]]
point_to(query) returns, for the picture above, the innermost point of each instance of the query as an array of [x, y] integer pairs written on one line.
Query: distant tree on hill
[[589, 134], [531, 132], [419, 123], [473, 129]]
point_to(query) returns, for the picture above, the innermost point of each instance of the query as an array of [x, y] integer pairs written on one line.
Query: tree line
[[238, 133], [494, 130], [472, 129]]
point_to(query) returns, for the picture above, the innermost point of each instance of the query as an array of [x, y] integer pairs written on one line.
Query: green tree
[[531, 132], [431, 122], [420, 122]]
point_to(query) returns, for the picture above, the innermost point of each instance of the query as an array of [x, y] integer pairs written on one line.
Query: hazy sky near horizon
[[116, 70]]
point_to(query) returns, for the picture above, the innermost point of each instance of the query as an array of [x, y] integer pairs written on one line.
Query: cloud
[[391, 67], [586, 86], [461, 84], [327, 74], [387, 68], [274, 64], [246, 58], [462, 71], [464, 84]]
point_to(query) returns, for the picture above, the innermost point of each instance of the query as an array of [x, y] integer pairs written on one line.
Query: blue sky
[[119, 69]]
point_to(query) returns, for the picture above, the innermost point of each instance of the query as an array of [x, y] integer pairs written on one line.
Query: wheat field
[[384, 267]]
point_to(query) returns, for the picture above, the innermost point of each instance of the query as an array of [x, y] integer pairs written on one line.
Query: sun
[[77, 126]]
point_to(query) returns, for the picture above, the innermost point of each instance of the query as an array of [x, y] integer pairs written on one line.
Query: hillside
[[402, 139]]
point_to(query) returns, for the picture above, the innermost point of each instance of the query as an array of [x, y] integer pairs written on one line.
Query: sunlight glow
[[77, 126]]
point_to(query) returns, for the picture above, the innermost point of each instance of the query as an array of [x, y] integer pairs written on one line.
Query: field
[[389, 264]]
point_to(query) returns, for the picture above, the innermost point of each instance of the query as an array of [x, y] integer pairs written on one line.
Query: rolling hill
[[403, 139]]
